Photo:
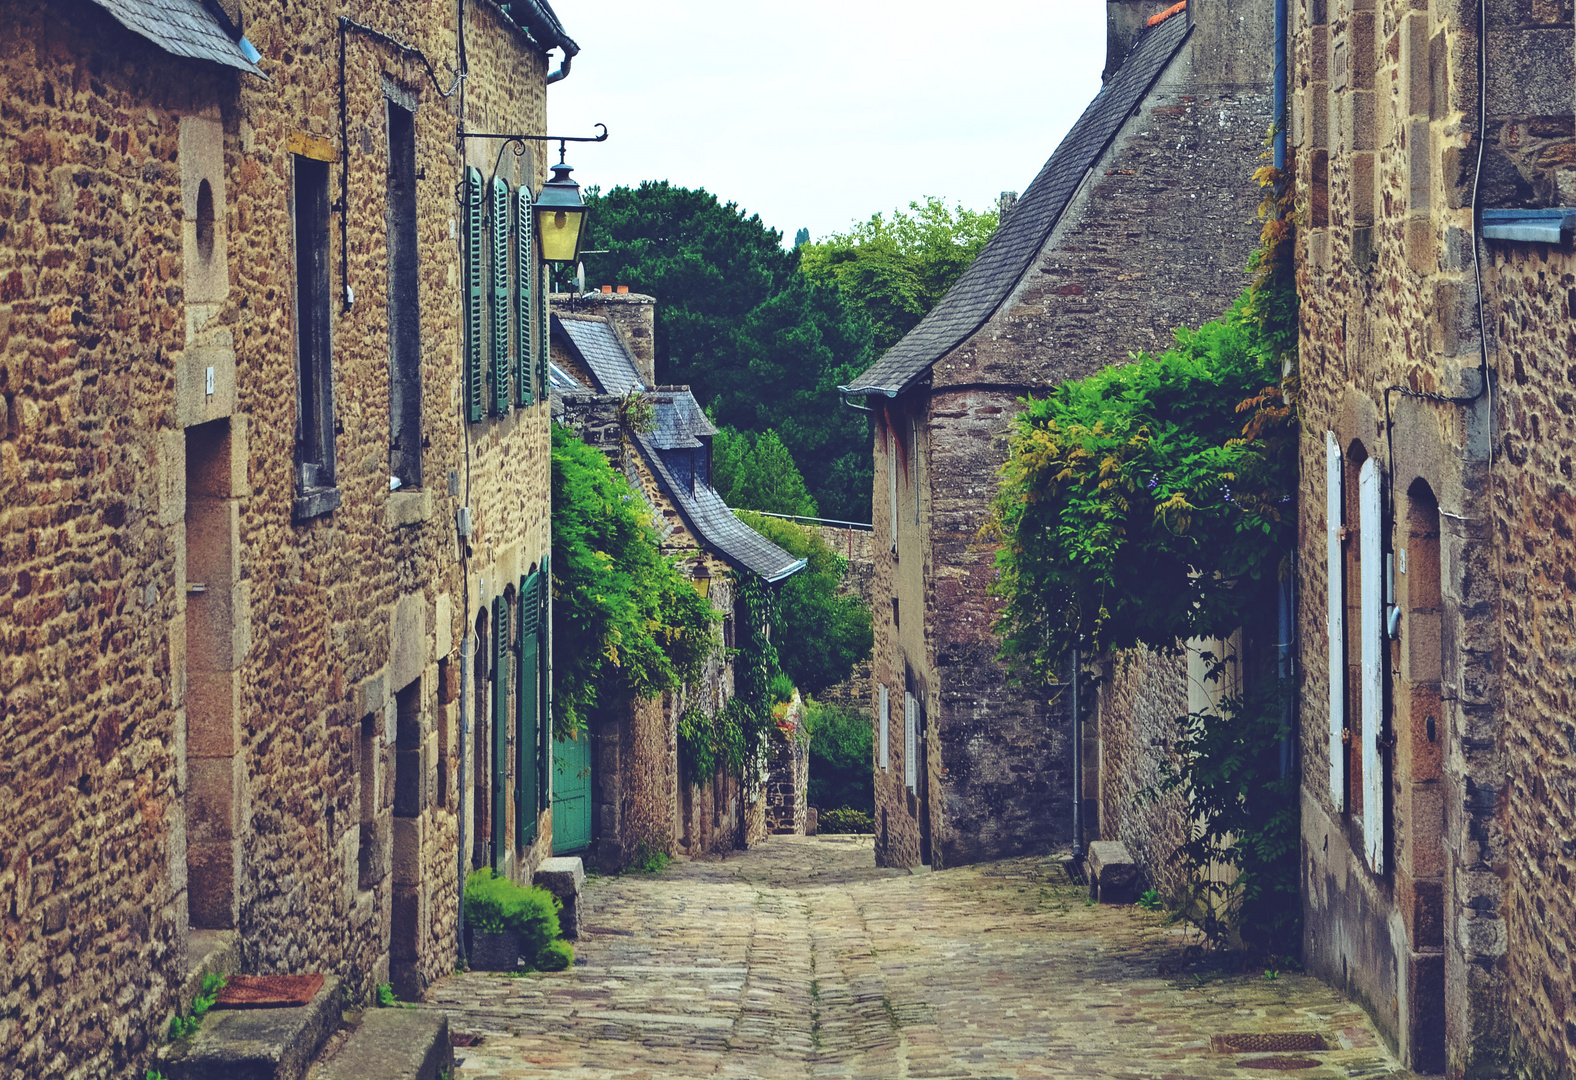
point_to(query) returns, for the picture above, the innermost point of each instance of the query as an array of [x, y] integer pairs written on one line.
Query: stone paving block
[[800, 958]]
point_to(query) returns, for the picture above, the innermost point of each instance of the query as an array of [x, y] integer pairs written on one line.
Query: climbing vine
[[624, 617], [735, 736], [1154, 502]]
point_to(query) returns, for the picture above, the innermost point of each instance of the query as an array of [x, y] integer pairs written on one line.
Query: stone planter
[[494, 952]]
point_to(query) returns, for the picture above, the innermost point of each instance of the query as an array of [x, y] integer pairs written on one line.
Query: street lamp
[[561, 216]]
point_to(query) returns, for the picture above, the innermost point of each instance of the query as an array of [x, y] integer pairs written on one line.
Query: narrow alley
[[799, 958]]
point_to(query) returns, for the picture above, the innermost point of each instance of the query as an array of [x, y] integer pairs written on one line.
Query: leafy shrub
[[496, 905], [840, 740], [819, 634], [555, 956], [844, 820]]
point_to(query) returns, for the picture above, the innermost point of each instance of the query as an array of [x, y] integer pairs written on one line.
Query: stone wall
[[1532, 307], [854, 545], [1450, 932], [1139, 697], [788, 775], [251, 717]]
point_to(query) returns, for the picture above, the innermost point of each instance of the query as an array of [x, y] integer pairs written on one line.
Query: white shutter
[[1369, 522], [910, 738], [892, 452], [886, 724], [1335, 618]]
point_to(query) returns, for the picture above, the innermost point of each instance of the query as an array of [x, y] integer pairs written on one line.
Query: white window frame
[[1335, 613], [1370, 523], [886, 725], [910, 742]]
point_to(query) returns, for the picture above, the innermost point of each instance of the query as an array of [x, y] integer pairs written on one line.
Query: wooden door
[[572, 794]]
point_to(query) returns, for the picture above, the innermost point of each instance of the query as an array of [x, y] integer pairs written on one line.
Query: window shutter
[[1335, 614], [524, 271], [886, 724], [500, 727], [544, 636], [502, 400], [1369, 525], [526, 712], [474, 378], [910, 737], [543, 338]]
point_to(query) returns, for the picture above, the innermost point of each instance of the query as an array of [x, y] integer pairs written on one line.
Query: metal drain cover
[[1269, 1042], [1279, 1064]]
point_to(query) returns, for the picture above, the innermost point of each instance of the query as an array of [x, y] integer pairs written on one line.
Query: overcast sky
[[820, 113]]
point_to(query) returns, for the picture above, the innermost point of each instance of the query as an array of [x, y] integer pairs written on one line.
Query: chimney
[[1004, 204], [1124, 22], [635, 317]]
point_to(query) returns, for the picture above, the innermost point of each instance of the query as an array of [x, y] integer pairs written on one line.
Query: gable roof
[[993, 275], [597, 345], [679, 422], [676, 411], [181, 28]]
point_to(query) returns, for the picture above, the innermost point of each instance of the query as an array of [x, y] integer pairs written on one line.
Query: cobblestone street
[[801, 959]]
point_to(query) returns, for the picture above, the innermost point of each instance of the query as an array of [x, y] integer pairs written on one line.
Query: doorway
[[213, 727], [572, 794]]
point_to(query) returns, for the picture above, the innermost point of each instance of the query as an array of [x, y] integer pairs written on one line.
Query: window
[[886, 725], [404, 309], [1335, 617], [314, 436], [910, 741]]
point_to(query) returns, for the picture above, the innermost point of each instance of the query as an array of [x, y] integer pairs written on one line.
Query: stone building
[[1141, 221], [241, 356], [1437, 171], [640, 794]]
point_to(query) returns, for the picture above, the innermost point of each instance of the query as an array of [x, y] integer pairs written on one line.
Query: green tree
[[840, 741], [764, 347], [756, 472], [819, 634], [801, 238], [896, 268], [624, 618]]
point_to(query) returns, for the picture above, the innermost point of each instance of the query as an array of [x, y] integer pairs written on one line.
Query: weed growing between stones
[[183, 1026], [649, 860]]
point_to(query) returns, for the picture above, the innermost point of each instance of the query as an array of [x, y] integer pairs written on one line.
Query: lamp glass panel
[[559, 229]]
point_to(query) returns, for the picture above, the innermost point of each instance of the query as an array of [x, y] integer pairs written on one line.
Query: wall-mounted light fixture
[[561, 215]]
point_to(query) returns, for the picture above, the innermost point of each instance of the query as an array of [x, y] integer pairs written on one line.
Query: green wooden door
[[572, 794]]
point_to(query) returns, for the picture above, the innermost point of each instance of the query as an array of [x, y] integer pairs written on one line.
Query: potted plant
[[494, 946]]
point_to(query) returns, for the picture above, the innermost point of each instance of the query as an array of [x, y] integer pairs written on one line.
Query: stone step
[[255, 1044], [394, 1044]]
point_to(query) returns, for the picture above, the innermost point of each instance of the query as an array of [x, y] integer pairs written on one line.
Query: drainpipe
[[561, 72], [1280, 84], [1078, 845]]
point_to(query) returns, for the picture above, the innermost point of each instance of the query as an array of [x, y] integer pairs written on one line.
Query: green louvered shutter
[[543, 334], [525, 295], [474, 377], [500, 725], [544, 637], [526, 734], [502, 399]]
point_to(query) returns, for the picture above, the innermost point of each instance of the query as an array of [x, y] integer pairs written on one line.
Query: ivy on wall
[[625, 619], [1154, 502]]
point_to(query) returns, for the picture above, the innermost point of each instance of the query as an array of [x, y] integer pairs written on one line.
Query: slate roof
[[703, 509], [602, 352], [990, 279], [680, 423], [182, 28]]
